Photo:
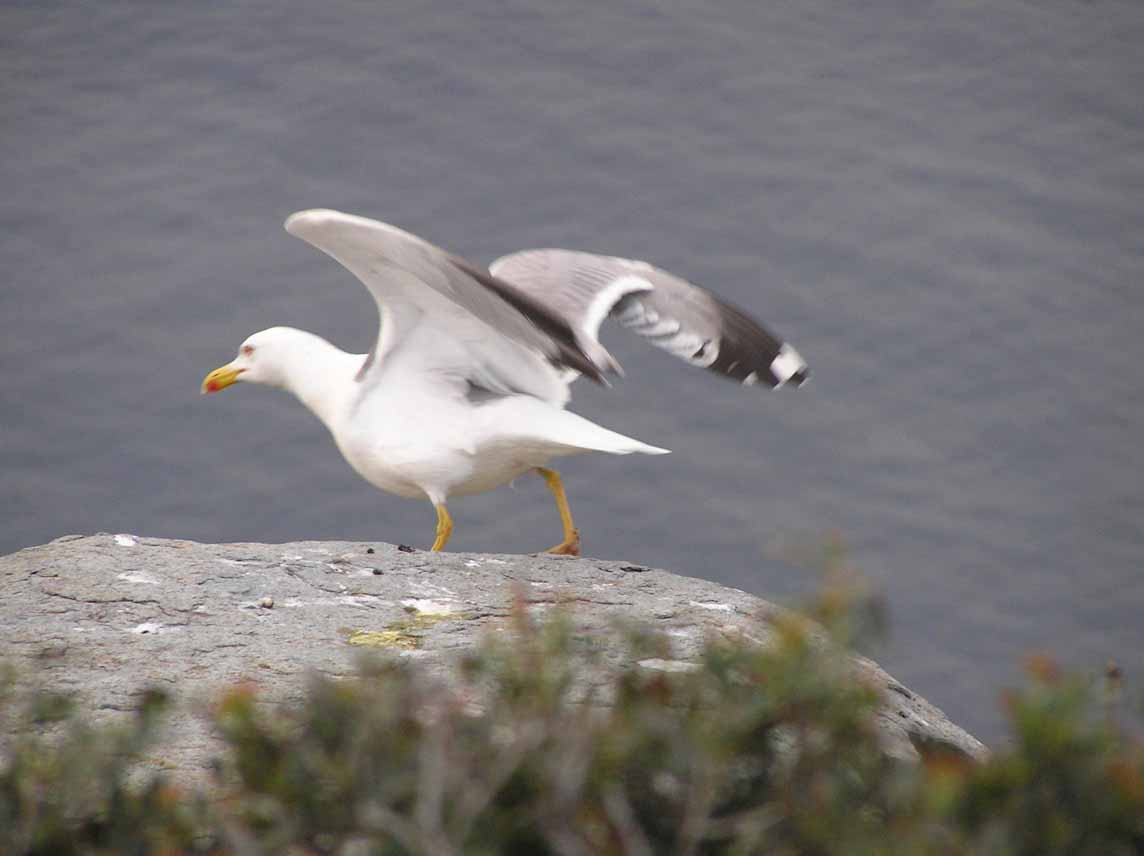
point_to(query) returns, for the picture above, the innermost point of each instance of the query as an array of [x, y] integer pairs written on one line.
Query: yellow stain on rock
[[403, 634], [384, 639]]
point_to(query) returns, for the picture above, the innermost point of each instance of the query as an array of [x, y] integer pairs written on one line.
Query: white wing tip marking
[[662, 327], [631, 282], [787, 364], [608, 297]]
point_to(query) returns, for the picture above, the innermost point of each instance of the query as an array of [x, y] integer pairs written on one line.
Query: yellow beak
[[221, 378]]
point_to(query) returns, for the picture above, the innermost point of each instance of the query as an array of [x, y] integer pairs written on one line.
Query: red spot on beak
[[213, 386]]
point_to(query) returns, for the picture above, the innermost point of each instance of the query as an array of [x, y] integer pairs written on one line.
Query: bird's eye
[[247, 350]]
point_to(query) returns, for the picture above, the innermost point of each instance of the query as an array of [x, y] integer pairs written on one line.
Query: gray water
[[940, 204]]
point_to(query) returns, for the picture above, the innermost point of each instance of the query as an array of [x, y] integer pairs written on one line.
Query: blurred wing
[[670, 312], [416, 283]]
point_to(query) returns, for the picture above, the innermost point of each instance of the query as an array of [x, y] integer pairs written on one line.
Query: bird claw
[[570, 546]]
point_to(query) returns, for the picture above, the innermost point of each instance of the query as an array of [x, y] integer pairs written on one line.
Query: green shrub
[[540, 748], [69, 787]]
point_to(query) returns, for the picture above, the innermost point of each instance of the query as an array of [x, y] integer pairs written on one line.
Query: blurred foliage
[[70, 787], [542, 747]]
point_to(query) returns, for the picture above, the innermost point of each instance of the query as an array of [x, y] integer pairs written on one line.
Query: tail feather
[[545, 425], [578, 433]]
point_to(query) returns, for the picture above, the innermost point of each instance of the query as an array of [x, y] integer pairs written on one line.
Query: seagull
[[466, 386]]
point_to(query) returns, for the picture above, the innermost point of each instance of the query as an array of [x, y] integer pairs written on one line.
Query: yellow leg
[[570, 546], [444, 527]]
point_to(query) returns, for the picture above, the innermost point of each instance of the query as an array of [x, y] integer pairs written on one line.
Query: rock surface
[[108, 614]]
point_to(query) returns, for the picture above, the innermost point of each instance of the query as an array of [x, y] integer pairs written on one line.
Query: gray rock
[[109, 614]]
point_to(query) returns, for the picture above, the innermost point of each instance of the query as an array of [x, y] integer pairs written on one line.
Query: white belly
[[418, 440], [437, 450], [418, 471]]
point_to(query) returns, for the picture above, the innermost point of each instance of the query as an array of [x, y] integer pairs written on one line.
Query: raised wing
[[670, 312], [417, 283]]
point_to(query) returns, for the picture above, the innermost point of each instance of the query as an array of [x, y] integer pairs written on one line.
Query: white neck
[[321, 376]]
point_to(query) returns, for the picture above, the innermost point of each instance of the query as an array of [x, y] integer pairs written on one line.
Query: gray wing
[[416, 283], [670, 312]]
